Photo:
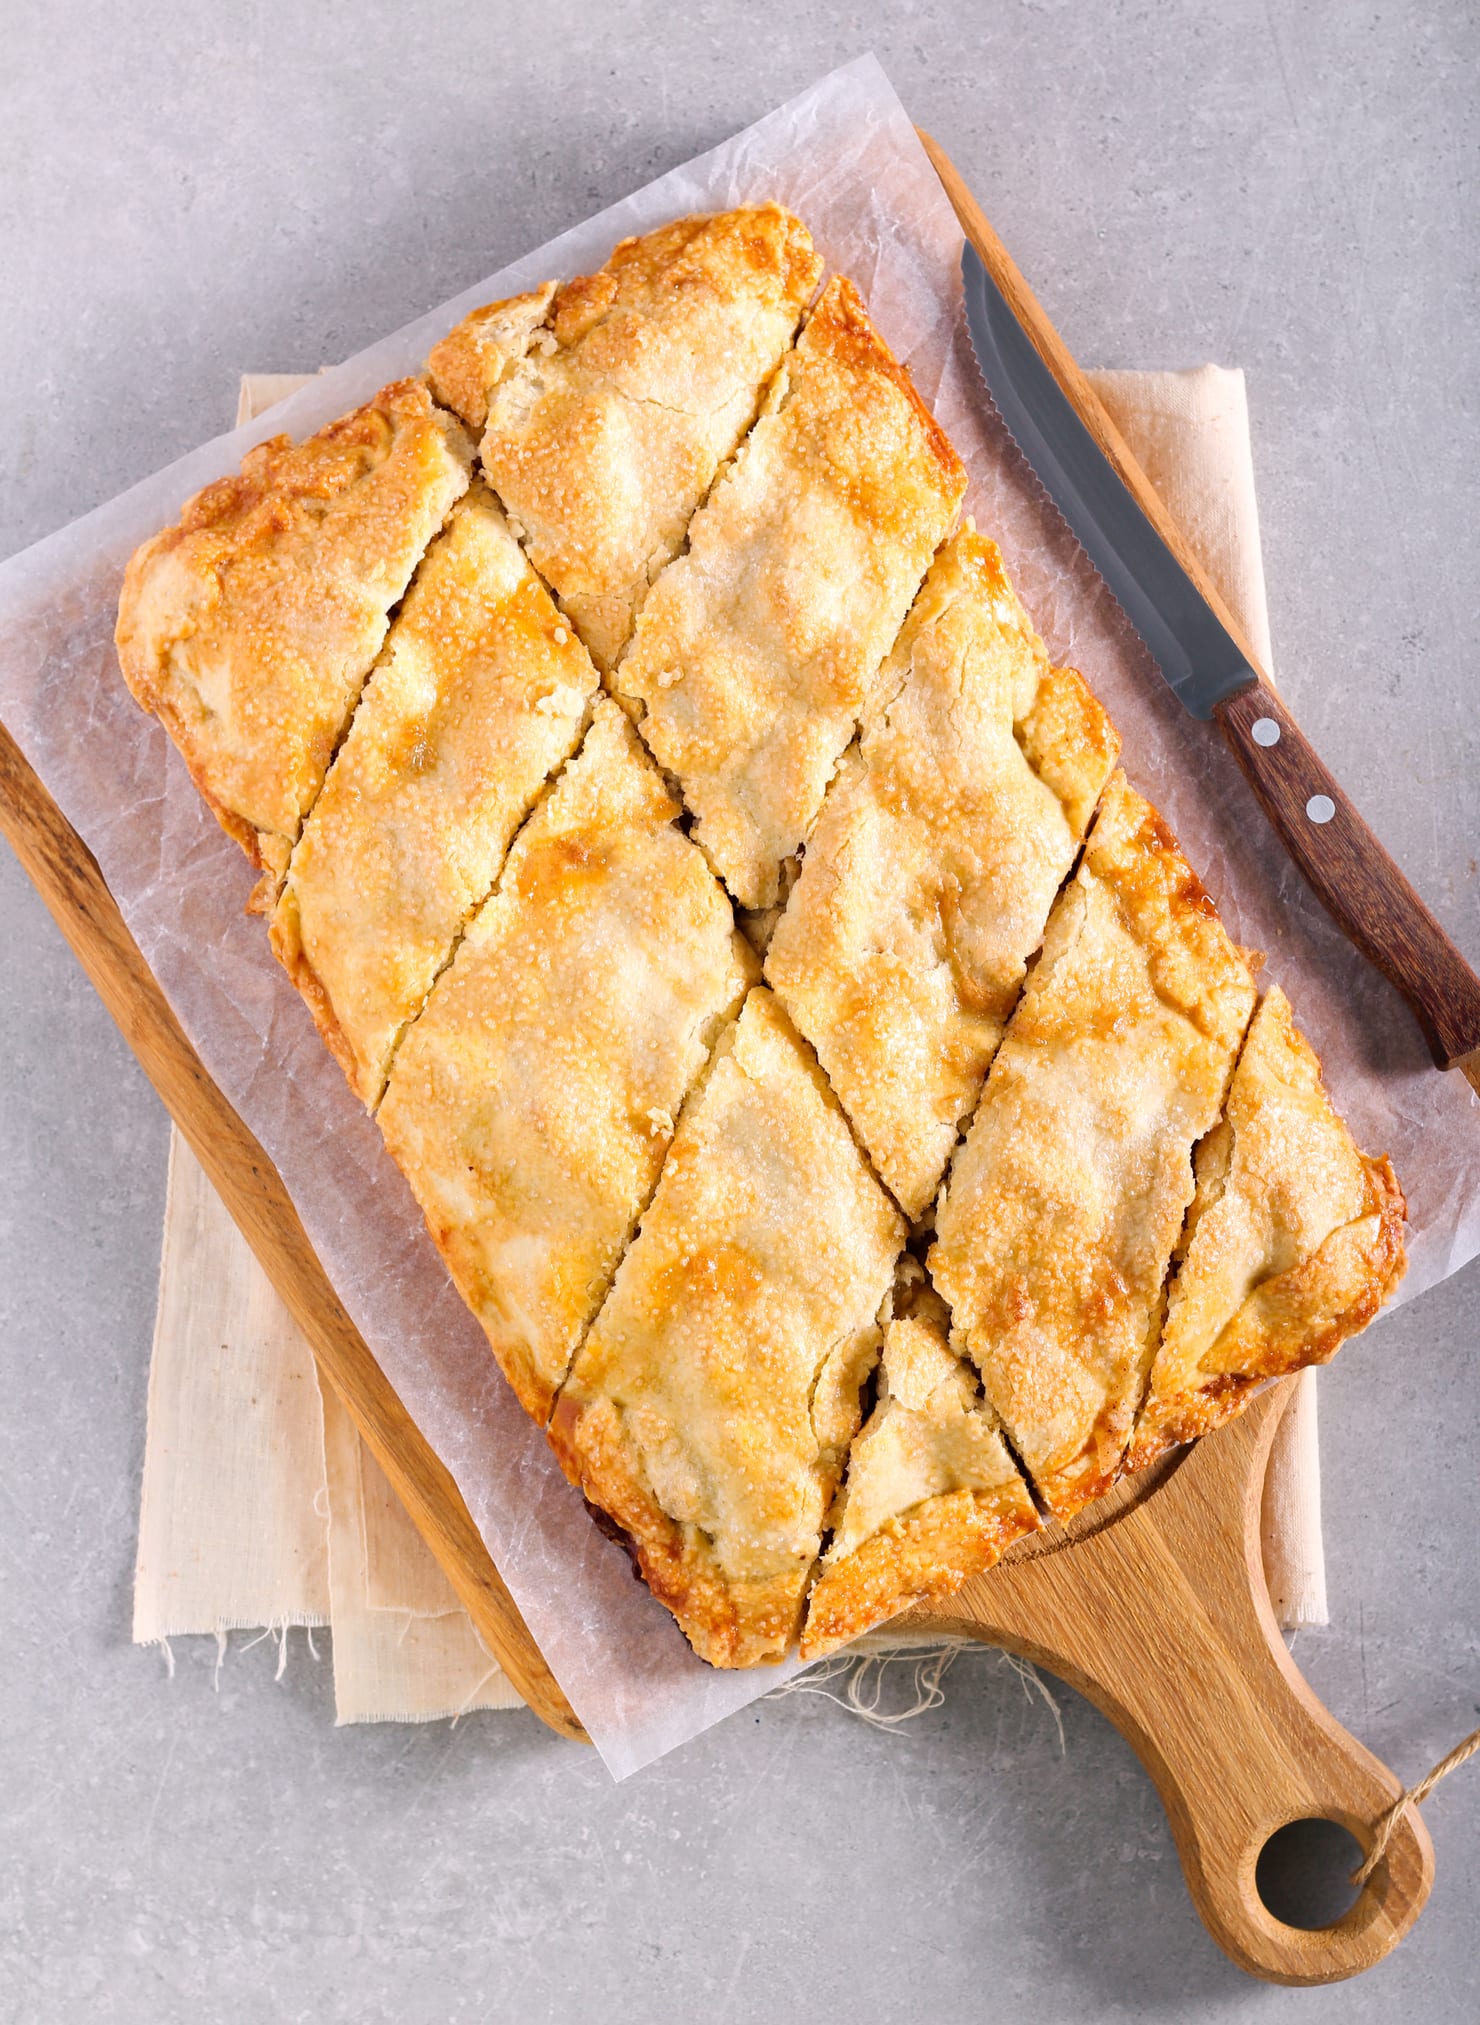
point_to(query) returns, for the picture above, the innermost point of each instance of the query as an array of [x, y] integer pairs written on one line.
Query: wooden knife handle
[[1353, 877]]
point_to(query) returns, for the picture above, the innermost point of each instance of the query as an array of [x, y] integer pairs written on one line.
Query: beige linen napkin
[[233, 1523], [262, 1506]]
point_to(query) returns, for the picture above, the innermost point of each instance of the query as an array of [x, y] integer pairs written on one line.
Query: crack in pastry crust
[[1293, 1242], [249, 627], [932, 1495], [1066, 1199], [475, 359], [711, 1405], [603, 440], [758, 650], [531, 1104], [932, 868], [482, 690]]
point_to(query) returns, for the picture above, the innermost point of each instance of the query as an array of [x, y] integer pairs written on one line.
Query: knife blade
[[1189, 644], [1215, 679]]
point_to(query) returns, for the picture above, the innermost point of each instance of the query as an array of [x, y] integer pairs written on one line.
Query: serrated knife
[[1215, 677]]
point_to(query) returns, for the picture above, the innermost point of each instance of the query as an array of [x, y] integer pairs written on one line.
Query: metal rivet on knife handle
[[1354, 878]]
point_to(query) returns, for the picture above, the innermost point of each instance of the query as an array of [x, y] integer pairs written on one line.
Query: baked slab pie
[[930, 874], [531, 1104], [711, 1406], [932, 1494], [681, 1229], [249, 628], [606, 436], [1294, 1240], [758, 651], [482, 690], [1066, 1200]]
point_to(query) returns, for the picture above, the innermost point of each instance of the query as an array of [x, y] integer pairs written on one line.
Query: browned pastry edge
[[234, 497], [458, 366], [585, 299], [144, 693], [729, 1624], [1135, 855], [1284, 1337], [918, 1556], [852, 338], [287, 946]]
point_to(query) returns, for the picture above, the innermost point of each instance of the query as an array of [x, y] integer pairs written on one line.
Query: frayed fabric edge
[[855, 1680], [307, 1623]]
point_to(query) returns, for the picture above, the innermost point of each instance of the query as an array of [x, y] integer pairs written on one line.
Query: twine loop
[[1414, 1797]]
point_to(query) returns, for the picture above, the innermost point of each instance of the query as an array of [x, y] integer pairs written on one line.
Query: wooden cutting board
[[1152, 1603]]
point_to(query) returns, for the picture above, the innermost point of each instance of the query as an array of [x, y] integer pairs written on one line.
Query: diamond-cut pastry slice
[[482, 690], [1293, 1242], [758, 651], [606, 436], [710, 1407], [249, 627], [475, 358], [932, 1494], [1066, 1200], [931, 871], [531, 1104]]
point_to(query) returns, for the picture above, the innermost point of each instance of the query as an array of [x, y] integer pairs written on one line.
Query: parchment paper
[[845, 157]]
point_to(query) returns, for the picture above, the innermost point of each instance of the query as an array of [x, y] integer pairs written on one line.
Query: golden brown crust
[[481, 691], [701, 1369], [531, 1104], [923, 1556], [605, 437], [730, 1621], [931, 1497], [709, 1409], [249, 627], [1294, 1241], [758, 254], [1064, 1204], [476, 357], [930, 873], [1069, 742], [759, 650], [285, 932]]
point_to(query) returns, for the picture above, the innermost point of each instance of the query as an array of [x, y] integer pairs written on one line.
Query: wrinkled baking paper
[[845, 157]]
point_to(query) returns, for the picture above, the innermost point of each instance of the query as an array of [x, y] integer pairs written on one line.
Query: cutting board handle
[[1157, 1610]]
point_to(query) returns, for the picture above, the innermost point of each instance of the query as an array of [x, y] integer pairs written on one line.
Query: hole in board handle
[[1303, 1875]]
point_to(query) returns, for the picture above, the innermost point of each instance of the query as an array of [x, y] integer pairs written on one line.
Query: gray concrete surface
[[186, 189]]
